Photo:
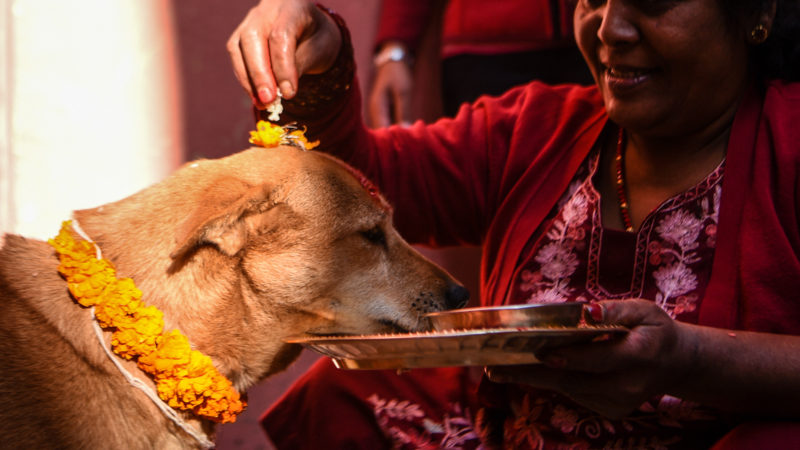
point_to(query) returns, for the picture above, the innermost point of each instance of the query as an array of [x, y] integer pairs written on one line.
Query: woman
[[666, 195]]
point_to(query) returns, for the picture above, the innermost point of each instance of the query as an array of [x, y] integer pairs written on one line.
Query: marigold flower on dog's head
[[270, 135], [267, 134]]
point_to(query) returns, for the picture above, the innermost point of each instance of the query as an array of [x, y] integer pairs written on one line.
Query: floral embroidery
[[522, 428], [670, 260], [558, 259], [565, 263], [564, 419], [409, 427], [681, 232], [576, 428]]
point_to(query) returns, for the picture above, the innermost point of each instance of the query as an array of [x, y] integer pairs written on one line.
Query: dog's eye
[[375, 235]]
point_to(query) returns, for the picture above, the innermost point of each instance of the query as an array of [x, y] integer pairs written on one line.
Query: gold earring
[[759, 34]]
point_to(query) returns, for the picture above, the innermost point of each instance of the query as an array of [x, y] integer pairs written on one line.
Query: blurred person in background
[[486, 48]]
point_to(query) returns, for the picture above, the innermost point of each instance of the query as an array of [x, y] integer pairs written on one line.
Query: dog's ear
[[219, 217]]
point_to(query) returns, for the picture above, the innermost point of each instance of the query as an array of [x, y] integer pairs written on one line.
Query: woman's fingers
[[277, 42], [239, 67], [255, 54], [282, 50], [615, 375]]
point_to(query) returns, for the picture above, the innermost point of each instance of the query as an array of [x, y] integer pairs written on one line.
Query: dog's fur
[[239, 253]]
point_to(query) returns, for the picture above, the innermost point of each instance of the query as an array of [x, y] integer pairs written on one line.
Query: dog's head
[[315, 244]]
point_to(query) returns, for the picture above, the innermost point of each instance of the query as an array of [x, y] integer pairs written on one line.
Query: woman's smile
[[621, 80], [657, 70]]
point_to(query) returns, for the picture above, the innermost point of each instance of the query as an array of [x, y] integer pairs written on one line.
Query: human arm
[[277, 42], [400, 28], [736, 371], [390, 96]]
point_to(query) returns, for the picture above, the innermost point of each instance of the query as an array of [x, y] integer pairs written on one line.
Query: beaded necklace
[[621, 194]]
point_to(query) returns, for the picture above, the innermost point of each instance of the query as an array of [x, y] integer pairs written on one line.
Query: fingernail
[[596, 312], [264, 95], [286, 89]]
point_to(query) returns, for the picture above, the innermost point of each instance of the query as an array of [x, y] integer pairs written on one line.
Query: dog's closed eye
[[375, 235]]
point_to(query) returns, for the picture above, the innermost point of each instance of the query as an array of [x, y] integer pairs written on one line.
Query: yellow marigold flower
[[166, 390], [172, 352], [300, 135], [185, 378], [137, 334], [267, 134], [129, 344], [123, 295]]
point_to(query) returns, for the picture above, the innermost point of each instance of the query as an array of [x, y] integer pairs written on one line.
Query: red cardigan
[[490, 175], [478, 26]]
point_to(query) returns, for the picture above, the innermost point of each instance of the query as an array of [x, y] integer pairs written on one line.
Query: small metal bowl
[[512, 316]]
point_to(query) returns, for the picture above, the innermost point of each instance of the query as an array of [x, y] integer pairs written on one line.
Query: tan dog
[[238, 253]]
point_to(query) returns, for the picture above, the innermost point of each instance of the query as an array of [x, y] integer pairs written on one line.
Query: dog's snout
[[456, 296]]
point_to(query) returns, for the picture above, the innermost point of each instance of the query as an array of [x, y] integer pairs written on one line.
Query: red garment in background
[[481, 27]]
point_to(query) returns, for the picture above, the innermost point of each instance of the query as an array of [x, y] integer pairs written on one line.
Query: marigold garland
[[268, 135], [186, 379]]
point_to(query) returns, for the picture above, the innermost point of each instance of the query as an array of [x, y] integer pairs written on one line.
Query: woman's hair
[[779, 56]]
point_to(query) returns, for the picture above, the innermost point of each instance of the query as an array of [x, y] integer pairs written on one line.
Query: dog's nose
[[456, 296]]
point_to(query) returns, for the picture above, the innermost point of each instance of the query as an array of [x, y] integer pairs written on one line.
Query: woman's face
[[664, 67]]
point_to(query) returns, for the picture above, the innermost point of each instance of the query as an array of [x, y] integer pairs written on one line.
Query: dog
[[239, 253]]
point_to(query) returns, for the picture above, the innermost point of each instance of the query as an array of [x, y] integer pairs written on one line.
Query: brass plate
[[567, 314], [485, 347]]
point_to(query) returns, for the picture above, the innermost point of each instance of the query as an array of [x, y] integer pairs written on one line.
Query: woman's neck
[[674, 164], [657, 168]]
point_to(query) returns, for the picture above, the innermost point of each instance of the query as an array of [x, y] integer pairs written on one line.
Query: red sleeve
[[404, 21], [446, 180]]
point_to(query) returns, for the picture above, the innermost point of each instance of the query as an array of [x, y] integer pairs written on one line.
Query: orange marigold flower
[[267, 134], [185, 378], [300, 135], [137, 334]]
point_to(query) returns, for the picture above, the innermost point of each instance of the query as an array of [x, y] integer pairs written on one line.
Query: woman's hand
[[390, 98], [277, 42], [613, 377]]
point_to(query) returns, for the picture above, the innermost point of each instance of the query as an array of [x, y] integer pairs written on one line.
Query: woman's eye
[[375, 235]]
